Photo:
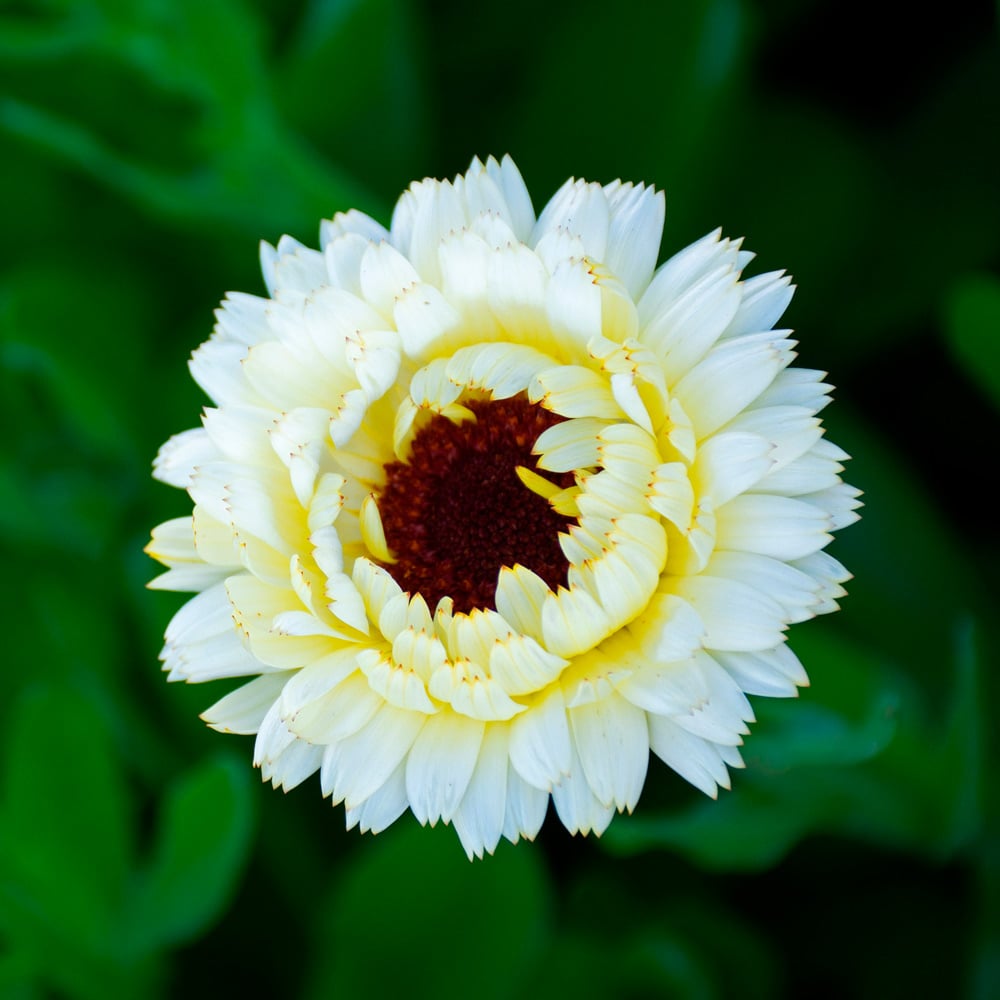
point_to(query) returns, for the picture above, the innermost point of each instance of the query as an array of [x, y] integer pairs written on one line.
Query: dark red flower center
[[457, 511]]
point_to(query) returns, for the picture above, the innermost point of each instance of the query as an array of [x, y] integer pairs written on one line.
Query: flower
[[489, 506]]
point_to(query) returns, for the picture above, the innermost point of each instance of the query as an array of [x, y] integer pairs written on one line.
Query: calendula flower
[[489, 506]]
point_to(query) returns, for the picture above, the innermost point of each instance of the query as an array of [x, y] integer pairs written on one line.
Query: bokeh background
[[147, 145]]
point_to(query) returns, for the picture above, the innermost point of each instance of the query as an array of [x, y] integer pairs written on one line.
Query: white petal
[[765, 298], [577, 806], [582, 210], [736, 616], [540, 748], [773, 673], [355, 768], [508, 179], [612, 741], [440, 765], [781, 527], [178, 459], [574, 306], [350, 223], [479, 819], [293, 765], [385, 275], [690, 756], [637, 215], [525, 808], [381, 808], [731, 376], [243, 710], [729, 464]]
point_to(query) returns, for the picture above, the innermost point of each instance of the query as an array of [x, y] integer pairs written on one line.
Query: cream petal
[[572, 444], [521, 666], [437, 211], [520, 595], [840, 503], [573, 622], [575, 391], [399, 683], [314, 682]]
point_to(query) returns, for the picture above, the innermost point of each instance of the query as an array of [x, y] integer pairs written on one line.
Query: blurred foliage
[[148, 144]]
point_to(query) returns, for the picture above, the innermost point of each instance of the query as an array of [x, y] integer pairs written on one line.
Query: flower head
[[489, 506]]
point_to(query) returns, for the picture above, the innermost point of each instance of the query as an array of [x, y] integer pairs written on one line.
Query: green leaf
[[973, 330], [409, 915], [203, 838]]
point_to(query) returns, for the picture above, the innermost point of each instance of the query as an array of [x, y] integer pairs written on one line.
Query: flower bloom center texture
[[456, 511], [488, 507]]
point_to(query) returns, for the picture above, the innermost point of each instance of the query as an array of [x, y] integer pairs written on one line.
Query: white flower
[[489, 506]]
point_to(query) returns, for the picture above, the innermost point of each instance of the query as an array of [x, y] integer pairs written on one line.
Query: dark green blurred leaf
[[442, 926], [912, 576], [659, 941], [194, 73], [64, 839], [800, 774], [961, 758], [973, 329], [72, 331], [856, 757], [203, 837], [352, 77], [665, 119]]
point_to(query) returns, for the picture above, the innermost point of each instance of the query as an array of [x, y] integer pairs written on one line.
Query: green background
[[148, 144]]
